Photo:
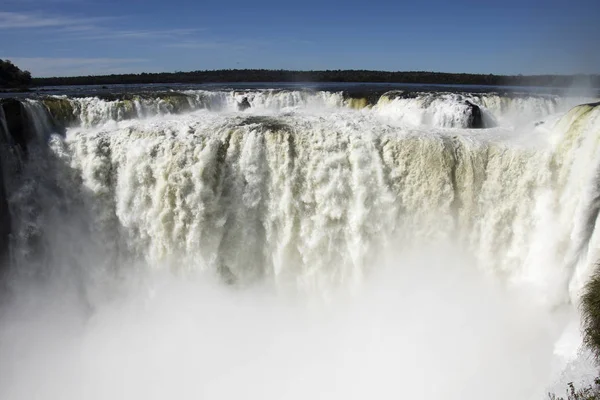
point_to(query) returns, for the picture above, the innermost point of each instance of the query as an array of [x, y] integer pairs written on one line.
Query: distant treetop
[[12, 77], [263, 75]]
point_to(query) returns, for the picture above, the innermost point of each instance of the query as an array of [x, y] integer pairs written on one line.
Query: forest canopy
[[12, 77], [264, 75]]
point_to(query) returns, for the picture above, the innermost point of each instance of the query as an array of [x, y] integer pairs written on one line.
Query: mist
[[420, 326]]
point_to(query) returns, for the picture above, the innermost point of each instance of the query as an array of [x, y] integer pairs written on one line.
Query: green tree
[[12, 77]]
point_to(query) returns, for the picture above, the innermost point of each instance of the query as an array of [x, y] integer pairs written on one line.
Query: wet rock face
[[17, 123], [62, 112], [14, 123], [5, 227], [16, 132], [244, 104]]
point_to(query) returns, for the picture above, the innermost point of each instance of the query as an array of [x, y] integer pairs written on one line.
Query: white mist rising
[[423, 327]]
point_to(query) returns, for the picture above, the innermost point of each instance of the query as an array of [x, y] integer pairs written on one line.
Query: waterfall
[[178, 236]]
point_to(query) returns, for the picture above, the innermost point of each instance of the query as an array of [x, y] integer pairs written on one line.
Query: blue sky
[[81, 37]]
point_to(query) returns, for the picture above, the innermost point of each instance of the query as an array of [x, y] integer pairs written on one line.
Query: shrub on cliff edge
[[590, 317], [590, 314], [12, 77]]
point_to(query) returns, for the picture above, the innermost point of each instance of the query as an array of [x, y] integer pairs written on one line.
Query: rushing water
[[298, 244]]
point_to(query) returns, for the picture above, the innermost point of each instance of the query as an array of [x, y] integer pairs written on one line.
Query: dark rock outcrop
[[5, 226], [18, 127], [6, 156], [244, 104], [475, 116], [16, 132]]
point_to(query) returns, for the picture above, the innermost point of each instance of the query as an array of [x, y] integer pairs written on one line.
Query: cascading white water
[[452, 110], [38, 118], [90, 111], [449, 260], [436, 110]]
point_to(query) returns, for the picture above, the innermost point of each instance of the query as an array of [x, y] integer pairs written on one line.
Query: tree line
[[12, 77], [264, 75]]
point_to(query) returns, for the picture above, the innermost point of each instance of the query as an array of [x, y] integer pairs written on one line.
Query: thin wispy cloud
[[219, 44], [42, 2], [97, 33], [51, 61], [14, 20], [65, 66], [84, 37], [73, 28], [196, 44]]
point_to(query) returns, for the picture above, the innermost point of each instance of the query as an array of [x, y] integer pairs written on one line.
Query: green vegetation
[[264, 75], [590, 313], [61, 110], [590, 310], [591, 392], [12, 77]]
